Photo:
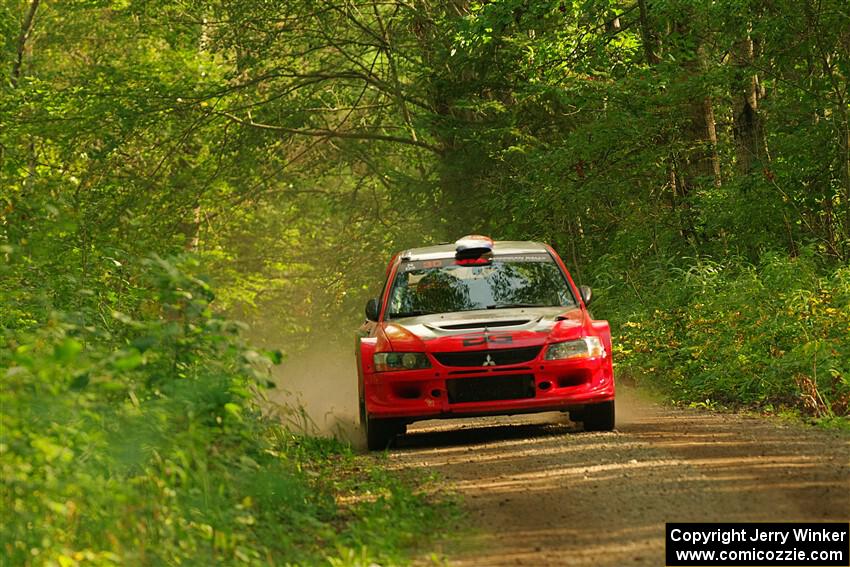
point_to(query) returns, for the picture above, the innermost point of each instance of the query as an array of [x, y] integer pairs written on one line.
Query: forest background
[[166, 167]]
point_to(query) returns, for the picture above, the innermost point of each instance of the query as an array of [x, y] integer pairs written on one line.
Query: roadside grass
[[835, 423], [141, 441], [649, 389], [134, 496], [771, 338], [387, 516]]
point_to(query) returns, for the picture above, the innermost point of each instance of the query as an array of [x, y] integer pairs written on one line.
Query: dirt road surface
[[538, 491]]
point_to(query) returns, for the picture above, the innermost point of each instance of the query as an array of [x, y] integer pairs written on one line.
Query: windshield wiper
[[510, 305], [402, 314]]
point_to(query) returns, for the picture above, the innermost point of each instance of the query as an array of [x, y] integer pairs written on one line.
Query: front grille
[[497, 357], [487, 370], [490, 388]]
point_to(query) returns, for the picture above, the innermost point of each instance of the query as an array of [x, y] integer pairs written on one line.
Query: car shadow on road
[[435, 434]]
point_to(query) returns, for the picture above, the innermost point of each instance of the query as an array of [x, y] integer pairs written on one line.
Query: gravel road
[[538, 491]]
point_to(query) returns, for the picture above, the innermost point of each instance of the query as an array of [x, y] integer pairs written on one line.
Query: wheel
[[380, 433], [598, 417]]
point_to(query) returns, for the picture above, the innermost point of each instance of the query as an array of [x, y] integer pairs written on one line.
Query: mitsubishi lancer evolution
[[481, 327]]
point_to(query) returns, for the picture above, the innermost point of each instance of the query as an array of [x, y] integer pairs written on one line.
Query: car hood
[[484, 329]]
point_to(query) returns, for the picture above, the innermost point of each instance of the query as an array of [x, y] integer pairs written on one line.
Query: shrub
[[766, 336], [140, 441]]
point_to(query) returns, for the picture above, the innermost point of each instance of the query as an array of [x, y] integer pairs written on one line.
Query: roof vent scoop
[[474, 249]]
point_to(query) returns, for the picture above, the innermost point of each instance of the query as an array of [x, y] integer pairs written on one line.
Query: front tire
[[380, 433], [599, 417]]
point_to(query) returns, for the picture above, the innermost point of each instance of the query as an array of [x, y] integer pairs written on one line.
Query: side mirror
[[586, 293], [373, 310]]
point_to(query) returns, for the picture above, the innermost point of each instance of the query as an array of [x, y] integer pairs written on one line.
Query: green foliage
[[142, 442], [721, 260], [769, 336], [292, 147]]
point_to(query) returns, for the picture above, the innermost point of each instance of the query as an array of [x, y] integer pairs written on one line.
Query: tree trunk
[[711, 131], [700, 133], [193, 236], [651, 48], [22, 47], [701, 160], [26, 30], [747, 125], [844, 144]]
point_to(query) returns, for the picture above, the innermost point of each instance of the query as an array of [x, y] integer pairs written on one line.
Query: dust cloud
[[316, 393], [632, 402]]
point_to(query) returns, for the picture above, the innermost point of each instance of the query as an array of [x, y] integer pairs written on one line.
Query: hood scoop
[[480, 325]]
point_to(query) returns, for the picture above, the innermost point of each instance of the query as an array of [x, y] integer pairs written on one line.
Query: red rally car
[[481, 328]]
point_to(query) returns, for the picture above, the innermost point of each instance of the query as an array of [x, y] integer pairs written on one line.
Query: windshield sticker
[[410, 266], [541, 257]]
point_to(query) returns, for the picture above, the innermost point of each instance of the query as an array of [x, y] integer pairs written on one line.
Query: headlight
[[385, 361], [588, 347]]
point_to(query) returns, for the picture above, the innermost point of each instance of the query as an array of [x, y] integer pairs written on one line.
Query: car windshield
[[443, 286]]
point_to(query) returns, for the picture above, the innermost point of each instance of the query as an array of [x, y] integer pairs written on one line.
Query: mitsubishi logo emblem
[[489, 361]]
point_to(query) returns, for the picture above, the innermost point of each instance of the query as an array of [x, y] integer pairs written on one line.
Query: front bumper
[[425, 394]]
